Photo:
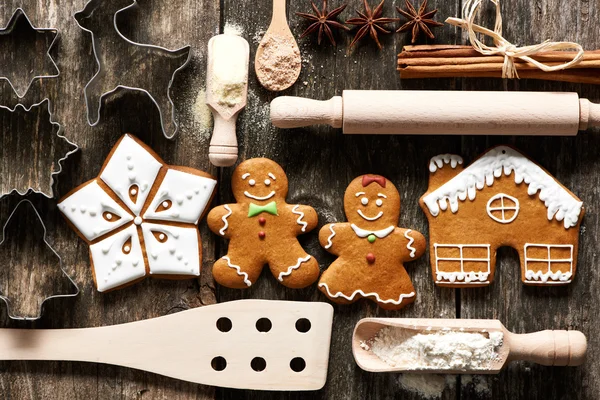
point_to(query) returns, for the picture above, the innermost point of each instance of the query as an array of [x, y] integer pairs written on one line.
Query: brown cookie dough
[[263, 229], [371, 250]]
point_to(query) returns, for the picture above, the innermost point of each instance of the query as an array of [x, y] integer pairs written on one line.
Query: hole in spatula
[[297, 364], [218, 363], [303, 325], [264, 325], [258, 364], [224, 324]]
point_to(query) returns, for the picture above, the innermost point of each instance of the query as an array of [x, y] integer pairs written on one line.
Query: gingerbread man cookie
[[263, 229], [371, 250]]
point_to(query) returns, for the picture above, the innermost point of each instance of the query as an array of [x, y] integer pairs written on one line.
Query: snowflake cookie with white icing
[[262, 228], [371, 249], [140, 216], [501, 199]]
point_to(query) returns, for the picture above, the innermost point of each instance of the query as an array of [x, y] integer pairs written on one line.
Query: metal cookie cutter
[[113, 73], [17, 157], [21, 258], [20, 25]]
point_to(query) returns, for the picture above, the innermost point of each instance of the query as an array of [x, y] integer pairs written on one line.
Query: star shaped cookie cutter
[[9, 29], [44, 113], [111, 82], [7, 298]]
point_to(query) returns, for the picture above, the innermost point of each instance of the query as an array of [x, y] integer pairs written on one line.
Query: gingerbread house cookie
[[140, 216], [263, 228], [501, 199], [371, 249]]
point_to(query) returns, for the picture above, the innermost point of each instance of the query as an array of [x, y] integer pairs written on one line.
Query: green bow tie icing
[[255, 209]]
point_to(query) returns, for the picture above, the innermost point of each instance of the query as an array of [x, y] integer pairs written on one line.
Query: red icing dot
[[262, 220], [370, 258], [262, 235]]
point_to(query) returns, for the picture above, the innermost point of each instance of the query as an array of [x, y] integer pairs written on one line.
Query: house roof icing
[[561, 204]]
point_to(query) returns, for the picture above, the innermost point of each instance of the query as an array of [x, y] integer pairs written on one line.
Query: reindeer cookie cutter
[[103, 84], [9, 29], [43, 108], [7, 298]]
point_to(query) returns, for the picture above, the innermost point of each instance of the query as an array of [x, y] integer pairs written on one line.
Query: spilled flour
[[279, 65], [444, 350], [427, 386]]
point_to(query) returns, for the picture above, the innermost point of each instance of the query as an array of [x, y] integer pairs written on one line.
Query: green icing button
[[371, 238]]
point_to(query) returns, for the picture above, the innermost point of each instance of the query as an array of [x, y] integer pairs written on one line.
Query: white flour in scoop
[[444, 350]]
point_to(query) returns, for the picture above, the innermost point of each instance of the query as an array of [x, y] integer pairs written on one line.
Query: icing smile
[[375, 218], [267, 197]]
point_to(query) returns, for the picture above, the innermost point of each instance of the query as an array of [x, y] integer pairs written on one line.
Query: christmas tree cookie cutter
[[111, 76], [21, 86], [41, 250], [16, 178]]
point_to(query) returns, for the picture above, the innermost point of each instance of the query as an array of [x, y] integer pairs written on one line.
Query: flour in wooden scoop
[[278, 67], [440, 350]]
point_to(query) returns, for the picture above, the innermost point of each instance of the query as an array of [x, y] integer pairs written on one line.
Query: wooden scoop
[[246, 344], [226, 94], [278, 62], [553, 348]]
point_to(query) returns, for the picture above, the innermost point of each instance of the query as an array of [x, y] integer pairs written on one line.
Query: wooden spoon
[[246, 344], [554, 348], [278, 62]]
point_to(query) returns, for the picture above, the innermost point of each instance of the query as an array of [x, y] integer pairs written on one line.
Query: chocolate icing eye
[[126, 249], [364, 201], [379, 202], [160, 236], [110, 217], [164, 206], [133, 192]]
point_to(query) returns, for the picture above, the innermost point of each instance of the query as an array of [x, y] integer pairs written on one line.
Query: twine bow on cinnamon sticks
[[504, 47], [560, 61]]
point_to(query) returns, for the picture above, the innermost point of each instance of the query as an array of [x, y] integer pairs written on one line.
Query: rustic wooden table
[[319, 162]]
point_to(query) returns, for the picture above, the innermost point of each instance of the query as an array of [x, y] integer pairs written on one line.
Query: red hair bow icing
[[366, 180]]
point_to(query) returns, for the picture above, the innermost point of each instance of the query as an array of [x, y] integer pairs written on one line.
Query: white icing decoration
[[381, 195], [299, 221], [113, 268], [164, 261], [137, 220], [364, 201], [329, 242], [146, 169], [251, 182], [108, 216], [293, 267], [548, 277], [363, 294], [468, 277], [379, 202], [271, 176], [93, 226], [503, 208], [174, 187], [247, 174], [267, 182], [411, 240], [357, 194], [363, 233], [238, 269], [438, 161], [375, 218], [561, 204], [133, 192], [267, 197]]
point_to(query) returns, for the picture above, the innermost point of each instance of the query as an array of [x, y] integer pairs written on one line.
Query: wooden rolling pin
[[552, 348], [441, 113]]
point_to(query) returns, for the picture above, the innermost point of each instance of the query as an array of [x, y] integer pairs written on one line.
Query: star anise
[[323, 21], [370, 22], [418, 21]]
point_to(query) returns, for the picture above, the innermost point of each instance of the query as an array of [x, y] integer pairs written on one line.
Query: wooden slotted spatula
[[246, 344], [554, 348]]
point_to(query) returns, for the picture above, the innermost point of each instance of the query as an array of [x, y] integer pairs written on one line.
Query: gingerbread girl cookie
[[371, 250], [263, 229]]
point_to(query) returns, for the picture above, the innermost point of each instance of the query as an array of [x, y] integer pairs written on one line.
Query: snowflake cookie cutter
[[16, 115], [111, 82], [9, 29], [7, 297]]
